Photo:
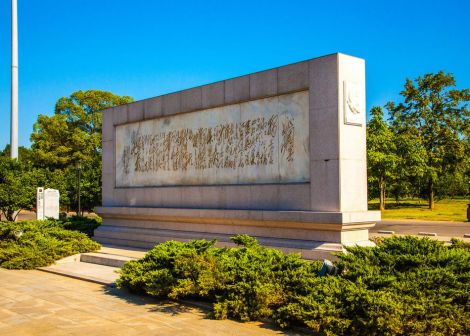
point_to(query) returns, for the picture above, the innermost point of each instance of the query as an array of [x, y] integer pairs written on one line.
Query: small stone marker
[[466, 235], [386, 232], [430, 234], [47, 203]]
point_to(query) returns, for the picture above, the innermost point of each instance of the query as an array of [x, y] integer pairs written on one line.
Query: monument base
[[314, 234]]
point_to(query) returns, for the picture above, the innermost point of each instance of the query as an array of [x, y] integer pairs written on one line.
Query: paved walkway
[[39, 303]]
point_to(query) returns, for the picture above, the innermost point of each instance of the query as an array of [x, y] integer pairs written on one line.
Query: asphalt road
[[413, 227]]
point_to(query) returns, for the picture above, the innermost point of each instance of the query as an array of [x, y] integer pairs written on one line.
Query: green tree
[[382, 156], [410, 165], [74, 133], [24, 154], [435, 113], [18, 182]]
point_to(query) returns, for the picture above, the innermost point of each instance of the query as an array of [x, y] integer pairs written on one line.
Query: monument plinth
[[278, 154]]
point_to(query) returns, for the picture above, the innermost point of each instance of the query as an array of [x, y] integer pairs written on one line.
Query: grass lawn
[[446, 210]]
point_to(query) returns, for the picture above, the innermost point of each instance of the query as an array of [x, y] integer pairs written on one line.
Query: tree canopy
[[424, 148], [435, 113], [74, 133], [381, 153], [18, 182]]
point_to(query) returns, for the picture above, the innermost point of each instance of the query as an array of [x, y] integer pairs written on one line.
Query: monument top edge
[[227, 79]]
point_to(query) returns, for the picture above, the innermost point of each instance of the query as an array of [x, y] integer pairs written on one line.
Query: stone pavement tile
[[38, 303], [105, 329], [28, 327]]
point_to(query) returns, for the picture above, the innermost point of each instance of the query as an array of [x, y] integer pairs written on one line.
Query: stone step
[[104, 275], [99, 267], [133, 252], [125, 243], [147, 238], [105, 259]]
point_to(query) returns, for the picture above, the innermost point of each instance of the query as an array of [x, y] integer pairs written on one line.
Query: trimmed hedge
[[403, 286], [41, 244]]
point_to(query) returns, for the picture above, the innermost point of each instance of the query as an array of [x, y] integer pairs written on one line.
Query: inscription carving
[[250, 143], [185, 150]]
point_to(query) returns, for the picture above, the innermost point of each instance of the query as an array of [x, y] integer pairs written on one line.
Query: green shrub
[[41, 244], [246, 283], [83, 224], [403, 286]]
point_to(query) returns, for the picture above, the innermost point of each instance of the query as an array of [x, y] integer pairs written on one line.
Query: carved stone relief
[[354, 103], [261, 141]]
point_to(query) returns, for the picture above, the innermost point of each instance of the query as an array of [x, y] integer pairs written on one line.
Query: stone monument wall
[[279, 154]]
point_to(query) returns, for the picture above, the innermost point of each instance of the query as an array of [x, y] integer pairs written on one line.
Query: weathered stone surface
[[292, 77], [213, 95], [237, 89], [191, 99], [263, 84], [153, 107]]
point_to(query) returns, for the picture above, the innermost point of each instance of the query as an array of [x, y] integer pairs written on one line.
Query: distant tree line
[[423, 148]]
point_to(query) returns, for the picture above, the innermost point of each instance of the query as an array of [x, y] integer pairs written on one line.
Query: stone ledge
[[129, 237], [336, 221]]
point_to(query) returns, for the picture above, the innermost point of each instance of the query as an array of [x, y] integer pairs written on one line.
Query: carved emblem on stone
[[354, 108]]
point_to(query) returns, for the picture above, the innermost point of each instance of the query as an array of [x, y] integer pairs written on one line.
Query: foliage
[[403, 286], [435, 114], [74, 131], [73, 134], [246, 283], [382, 158], [86, 225], [25, 155], [18, 183], [41, 243]]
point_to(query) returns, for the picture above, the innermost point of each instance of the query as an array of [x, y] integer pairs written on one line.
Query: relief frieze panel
[[260, 141]]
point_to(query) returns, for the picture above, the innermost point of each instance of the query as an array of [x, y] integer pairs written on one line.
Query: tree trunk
[[15, 215], [9, 215], [381, 194], [431, 194]]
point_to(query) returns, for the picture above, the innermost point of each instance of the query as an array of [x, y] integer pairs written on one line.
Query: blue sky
[[145, 48]]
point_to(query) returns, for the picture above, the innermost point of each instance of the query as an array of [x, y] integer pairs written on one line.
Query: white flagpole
[[14, 81]]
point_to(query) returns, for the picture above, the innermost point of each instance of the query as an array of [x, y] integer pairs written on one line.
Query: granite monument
[[278, 154]]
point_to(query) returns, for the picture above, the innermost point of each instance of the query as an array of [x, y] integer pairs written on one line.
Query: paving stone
[[40, 303]]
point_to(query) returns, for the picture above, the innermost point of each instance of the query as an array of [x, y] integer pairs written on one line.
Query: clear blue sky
[[145, 48]]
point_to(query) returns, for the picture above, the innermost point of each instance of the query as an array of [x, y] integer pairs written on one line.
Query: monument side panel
[[352, 128], [107, 178], [324, 136]]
